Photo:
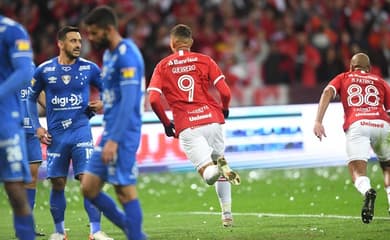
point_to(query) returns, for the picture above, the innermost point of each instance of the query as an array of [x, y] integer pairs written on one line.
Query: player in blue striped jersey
[[114, 160], [66, 82], [16, 70]]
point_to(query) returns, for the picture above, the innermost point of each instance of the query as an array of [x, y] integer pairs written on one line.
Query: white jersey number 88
[[358, 96]]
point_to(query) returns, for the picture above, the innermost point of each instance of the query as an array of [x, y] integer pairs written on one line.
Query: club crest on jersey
[[66, 78]]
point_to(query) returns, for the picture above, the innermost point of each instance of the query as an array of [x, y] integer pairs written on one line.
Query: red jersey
[[363, 95], [184, 78]]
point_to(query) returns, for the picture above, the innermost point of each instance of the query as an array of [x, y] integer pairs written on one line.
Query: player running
[[184, 78], [365, 98]]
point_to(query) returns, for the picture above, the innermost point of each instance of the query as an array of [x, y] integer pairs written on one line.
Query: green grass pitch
[[315, 203]]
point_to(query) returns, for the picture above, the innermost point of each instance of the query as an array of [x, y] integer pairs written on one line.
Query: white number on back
[[186, 83], [357, 96]]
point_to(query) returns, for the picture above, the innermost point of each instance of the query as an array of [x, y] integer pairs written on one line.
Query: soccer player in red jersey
[[366, 99], [184, 78]]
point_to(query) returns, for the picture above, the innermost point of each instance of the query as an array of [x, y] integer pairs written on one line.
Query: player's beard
[[103, 43], [71, 54]]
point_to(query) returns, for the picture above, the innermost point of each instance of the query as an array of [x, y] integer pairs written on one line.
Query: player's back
[[363, 95], [185, 79]]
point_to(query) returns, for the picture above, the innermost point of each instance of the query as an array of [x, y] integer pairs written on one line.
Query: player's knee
[[88, 191], [33, 183], [58, 183], [85, 191], [211, 174], [126, 194]]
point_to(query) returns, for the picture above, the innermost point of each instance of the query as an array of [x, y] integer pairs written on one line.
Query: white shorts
[[203, 144], [364, 135]]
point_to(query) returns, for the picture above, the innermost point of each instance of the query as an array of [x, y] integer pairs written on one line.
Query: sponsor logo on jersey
[[66, 78], [23, 45], [66, 123], [199, 110], [182, 61], [84, 144], [84, 67], [73, 100], [49, 69], [52, 79], [199, 117], [128, 72], [372, 124], [362, 76], [66, 68], [53, 155], [33, 81]]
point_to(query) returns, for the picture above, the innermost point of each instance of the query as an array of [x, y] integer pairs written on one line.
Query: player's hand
[[170, 130], [225, 113], [95, 105], [319, 130], [44, 136], [89, 112], [109, 153]]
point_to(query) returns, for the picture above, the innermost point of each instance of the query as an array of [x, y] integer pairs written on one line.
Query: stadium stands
[[262, 45]]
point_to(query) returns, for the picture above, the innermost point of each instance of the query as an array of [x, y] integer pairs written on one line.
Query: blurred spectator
[[259, 42], [331, 66], [307, 59]]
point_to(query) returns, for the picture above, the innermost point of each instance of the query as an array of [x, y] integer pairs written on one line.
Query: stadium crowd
[[259, 44]]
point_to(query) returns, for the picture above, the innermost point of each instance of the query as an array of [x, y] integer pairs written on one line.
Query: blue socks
[[31, 197], [110, 210], [93, 215], [24, 227], [134, 220], [130, 221], [57, 209]]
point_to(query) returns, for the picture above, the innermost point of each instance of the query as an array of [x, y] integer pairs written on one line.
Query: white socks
[[362, 184], [223, 189], [211, 174]]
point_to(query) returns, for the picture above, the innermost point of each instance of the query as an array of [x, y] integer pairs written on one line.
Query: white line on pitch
[[285, 215]]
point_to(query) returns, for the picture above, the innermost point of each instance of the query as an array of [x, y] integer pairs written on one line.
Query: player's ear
[[190, 42], [60, 44], [172, 43]]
